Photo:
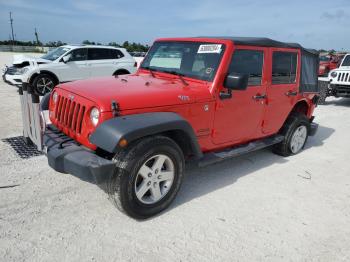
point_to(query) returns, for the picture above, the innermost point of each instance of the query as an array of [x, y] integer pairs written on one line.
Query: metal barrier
[[32, 117]]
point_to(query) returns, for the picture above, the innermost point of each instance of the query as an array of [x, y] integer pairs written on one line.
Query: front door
[[282, 89], [75, 68], [239, 118]]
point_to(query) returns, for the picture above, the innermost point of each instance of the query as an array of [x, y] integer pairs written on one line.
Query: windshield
[[55, 53], [191, 59], [346, 61], [324, 58]]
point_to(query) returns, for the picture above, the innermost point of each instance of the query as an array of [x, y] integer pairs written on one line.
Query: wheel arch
[[301, 107], [53, 75], [133, 127], [121, 71]]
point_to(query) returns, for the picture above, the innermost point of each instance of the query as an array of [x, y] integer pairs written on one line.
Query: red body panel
[[326, 66], [217, 123]]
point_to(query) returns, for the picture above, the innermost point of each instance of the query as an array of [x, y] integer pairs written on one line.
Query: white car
[[68, 63], [338, 84]]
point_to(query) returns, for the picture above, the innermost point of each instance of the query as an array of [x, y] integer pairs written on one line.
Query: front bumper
[[340, 90], [66, 156], [14, 80]]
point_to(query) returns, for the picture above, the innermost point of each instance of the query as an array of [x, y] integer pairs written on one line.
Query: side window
[[116, 54], [79, 54], [248, 62], [284, 67], [103, 53]]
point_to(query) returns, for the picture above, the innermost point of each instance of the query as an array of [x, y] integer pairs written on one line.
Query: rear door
[[239, 118], [102, 61], [282, 88]]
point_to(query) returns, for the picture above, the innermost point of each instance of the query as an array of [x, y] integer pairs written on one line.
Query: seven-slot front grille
[[343, 77], [69, 114]]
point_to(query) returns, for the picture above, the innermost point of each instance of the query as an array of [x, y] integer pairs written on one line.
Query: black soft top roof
[[262, 41]]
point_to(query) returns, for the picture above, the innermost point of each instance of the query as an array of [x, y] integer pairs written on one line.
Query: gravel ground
[[256, 207]]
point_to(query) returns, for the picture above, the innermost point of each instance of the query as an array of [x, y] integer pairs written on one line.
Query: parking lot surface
[[255, 207]]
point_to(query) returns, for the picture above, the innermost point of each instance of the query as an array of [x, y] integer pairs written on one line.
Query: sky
[[314, 24]]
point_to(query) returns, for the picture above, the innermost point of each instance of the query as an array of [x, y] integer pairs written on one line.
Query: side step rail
[[215, 157]]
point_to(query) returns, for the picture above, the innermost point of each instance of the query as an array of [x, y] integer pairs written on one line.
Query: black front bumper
[[340, 90], [65, 156]]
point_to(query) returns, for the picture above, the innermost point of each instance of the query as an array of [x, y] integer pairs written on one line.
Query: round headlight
[[55, 97], [334, 74], [94, 116]]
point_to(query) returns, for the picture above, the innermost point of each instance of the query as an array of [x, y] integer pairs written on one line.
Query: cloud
[[338, 14]]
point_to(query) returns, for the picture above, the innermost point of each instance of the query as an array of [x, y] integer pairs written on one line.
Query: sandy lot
[[256, 207]]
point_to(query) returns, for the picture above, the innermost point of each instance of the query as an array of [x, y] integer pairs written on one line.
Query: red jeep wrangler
[[204, 99], [328, 63]]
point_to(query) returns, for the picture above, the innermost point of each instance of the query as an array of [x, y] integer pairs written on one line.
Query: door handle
[[291, 93], [258, 97]]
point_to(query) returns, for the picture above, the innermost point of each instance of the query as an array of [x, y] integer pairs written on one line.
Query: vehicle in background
[[201, 99], [328, 63], [138, 54], [339, 81], [68, 63]]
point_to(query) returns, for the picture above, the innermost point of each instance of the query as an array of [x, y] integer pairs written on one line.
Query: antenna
[[11, 22], [37, 36]]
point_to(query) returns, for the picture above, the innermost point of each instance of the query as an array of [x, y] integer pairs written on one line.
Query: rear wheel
[[295, 131], [44, 84], [148, 176]]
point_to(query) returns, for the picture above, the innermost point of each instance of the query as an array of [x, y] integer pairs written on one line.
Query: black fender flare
[[132, 127], [44, 103]]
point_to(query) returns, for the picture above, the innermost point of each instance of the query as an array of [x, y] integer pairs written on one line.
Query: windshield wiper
[[179, 75], [151, 71]]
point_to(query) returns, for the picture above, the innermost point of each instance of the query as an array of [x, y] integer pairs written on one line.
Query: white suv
[[338, 81], [69, 63]]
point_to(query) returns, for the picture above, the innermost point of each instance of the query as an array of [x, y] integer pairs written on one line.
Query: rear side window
[[284, 67], [104, 53], [79, 54], [248, 62]]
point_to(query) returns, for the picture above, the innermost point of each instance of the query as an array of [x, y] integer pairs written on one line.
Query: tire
[[296, 124], [135, 192], [323, 87], [43, 84]]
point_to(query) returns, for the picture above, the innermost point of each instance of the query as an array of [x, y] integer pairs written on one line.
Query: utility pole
[[11, 22], [37, 37]]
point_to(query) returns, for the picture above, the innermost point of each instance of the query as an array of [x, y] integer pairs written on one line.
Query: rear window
[[104, 53], [284, 67], [248, 62]]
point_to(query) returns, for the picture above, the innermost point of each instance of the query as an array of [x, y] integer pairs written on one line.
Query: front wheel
[[43, 84], [295, 131], [148, 176]]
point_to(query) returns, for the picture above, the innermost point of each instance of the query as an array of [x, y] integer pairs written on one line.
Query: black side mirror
[[236, 81]]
